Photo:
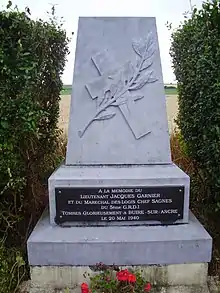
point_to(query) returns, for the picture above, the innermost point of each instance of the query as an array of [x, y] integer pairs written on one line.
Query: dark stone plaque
[[115, 204]]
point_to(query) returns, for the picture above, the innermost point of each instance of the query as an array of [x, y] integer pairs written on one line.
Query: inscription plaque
[[115, 204]]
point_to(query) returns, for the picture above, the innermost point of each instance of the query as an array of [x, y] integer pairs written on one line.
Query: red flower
[[147, 287], [122, 275], [84, 288], [131, 278]]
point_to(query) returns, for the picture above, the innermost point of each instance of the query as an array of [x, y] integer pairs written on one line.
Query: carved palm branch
[[129, 78]]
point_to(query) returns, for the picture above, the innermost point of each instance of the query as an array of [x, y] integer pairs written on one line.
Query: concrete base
[[165, 279], [167, 275], [143, 245], [119, 176]]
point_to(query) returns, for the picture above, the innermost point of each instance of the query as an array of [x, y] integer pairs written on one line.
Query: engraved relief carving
[[118, 87]]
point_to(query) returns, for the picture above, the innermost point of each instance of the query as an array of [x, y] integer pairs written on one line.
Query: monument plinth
[[118, 172], [118, 133]]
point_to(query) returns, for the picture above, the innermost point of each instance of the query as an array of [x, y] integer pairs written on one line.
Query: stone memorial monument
[[118, 191]]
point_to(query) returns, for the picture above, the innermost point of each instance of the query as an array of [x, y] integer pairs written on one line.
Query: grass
[[169, 90], [67, 90]]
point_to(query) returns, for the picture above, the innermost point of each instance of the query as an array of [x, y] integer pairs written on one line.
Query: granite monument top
[[118, 110]]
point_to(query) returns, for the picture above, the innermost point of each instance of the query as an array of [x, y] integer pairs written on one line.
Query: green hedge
[[32, 59], [195, 52]]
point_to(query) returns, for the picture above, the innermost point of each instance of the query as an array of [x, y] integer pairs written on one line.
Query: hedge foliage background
[[32, 59], [195, 52]]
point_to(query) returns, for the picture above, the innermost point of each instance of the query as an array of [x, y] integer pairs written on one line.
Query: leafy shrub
[[12, 269], [198, 187], [203, 210], [195, 52], [32, 59]]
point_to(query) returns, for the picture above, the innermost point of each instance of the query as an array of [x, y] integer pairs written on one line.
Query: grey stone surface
[[123, 176], [144, 245], [110, 55]]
